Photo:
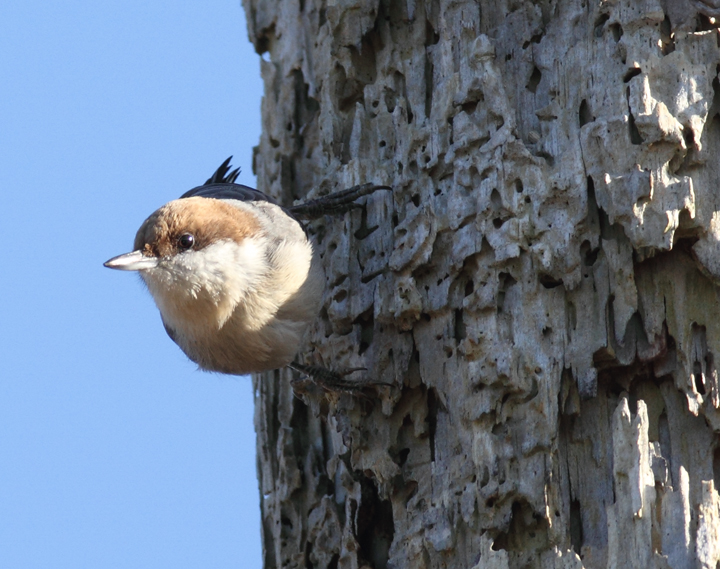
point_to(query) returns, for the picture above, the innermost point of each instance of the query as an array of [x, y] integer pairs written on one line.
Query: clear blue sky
[[114, 451]]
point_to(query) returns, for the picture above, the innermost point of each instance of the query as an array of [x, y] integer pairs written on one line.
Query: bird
[[236, 276]]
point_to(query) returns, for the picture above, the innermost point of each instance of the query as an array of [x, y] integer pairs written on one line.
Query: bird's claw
[[337, 203], [331, 380]]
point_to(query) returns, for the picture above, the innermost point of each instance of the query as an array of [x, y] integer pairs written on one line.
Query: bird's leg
[[331, 380], [336, 203]]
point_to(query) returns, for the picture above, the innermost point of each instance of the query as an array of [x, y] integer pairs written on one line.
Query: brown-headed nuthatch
[[234, 274]]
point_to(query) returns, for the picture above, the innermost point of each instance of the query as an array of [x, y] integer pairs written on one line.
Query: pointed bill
[[134, 261]]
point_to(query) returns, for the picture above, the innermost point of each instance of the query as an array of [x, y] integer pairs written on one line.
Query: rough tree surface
[[541, 286]]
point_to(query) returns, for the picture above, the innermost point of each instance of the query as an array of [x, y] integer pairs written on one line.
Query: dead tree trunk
[[541, 286]]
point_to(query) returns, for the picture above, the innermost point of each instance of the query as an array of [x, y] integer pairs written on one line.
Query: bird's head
[[198, 257]]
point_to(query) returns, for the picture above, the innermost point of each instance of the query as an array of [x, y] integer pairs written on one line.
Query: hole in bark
[[635, 137], [393, 94], [549, 281], [549, 158], [340, 296], [666, 37], [585, 114], [469, 288], [409, 489], [528, 530], [347, 92], [709, 367], [367, 329], [469, 108], [630, 73], [686, 227], [431, 36], [689, 138], [300, 439], [403, 456], [375, 526], [263, 41], [505, 281], [534, 81], [704, 24], [616, 31], [432, 405], [460, 329], [415, 199], [589, 255], [716, 467], [698, 378], [576, 529], [599, 24], [571, 318], [364, 231], [519, 188], [498, 223], [537, 38], [665, 444], [429, 71], [485, 478]]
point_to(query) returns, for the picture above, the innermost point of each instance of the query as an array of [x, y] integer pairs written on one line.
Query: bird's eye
[[186, 241]]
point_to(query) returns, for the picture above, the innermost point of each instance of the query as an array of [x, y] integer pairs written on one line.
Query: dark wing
[[228, 192], [221, 186], [170, 331], [221, 175]]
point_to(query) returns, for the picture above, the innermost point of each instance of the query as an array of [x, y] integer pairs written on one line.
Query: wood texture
[[541, 286]]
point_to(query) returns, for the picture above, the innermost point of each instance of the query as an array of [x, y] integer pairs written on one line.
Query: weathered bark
[[541, 286]]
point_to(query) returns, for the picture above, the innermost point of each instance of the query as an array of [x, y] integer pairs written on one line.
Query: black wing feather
[[221, 174], [228, 192], [221, 186]]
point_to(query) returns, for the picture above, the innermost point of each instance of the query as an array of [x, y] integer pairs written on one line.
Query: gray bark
[[541, 286]]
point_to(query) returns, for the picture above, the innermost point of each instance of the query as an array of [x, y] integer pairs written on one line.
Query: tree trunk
[[540, 287]]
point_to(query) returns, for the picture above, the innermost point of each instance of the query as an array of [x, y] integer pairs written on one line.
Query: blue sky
[[114, 451]]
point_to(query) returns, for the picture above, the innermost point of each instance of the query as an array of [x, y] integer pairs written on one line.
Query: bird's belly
[[238, 350]]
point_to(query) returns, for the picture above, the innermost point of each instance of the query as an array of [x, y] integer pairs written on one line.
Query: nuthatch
[[234, 274]]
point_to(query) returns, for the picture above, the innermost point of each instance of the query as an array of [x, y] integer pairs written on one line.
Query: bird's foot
[[337, 203], [331, 380]]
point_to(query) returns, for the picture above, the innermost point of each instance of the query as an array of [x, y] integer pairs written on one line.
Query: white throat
[[201, 289]]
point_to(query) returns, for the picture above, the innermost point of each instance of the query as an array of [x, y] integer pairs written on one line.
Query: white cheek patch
[[229, 269], [206, 285]]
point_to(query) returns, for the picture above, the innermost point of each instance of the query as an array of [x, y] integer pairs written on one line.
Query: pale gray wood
[[541, 286]]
